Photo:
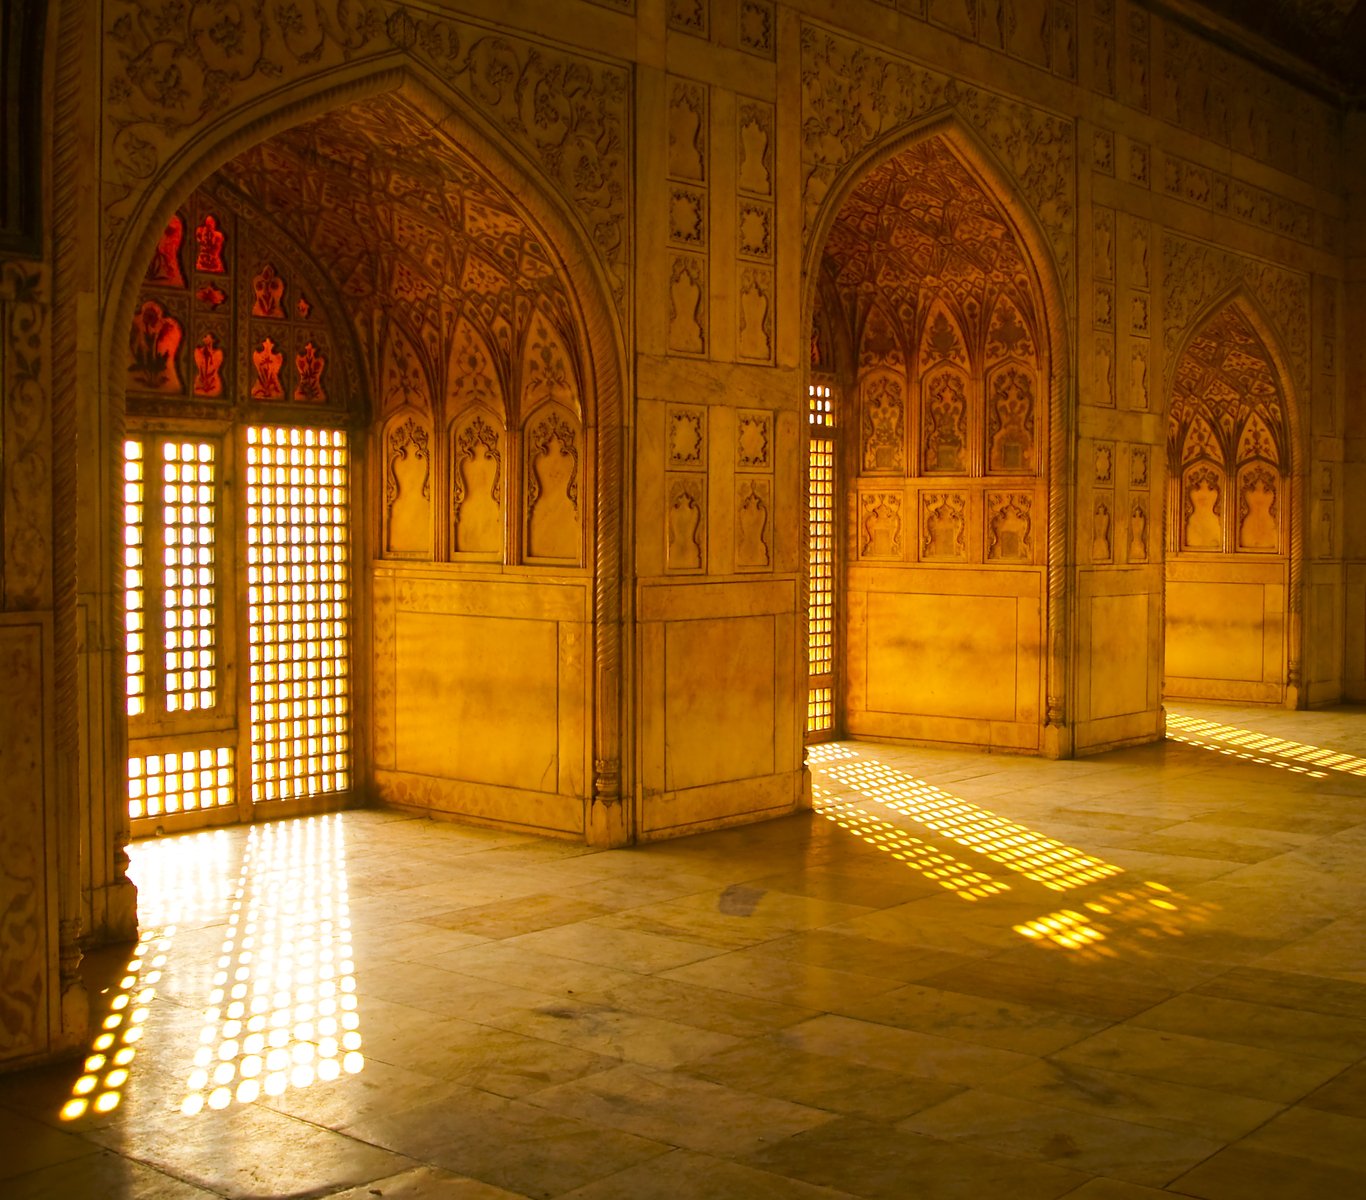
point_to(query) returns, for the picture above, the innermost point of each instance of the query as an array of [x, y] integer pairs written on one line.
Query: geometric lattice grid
[[134, 601], [820, 713], [282, 1009], [187, 475], [298, 611], [180, 781]]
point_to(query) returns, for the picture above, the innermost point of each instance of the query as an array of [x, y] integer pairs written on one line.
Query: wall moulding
[[167, 83], [855, 98]]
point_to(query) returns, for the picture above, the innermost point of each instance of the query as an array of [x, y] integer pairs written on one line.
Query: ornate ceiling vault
[[921, 228], [414, 234]]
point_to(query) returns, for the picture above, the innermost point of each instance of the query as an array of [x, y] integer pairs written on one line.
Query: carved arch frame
[[1296, 474], [609, 819], [999, 183]]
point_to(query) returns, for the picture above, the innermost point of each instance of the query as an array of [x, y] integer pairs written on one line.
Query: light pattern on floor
[[1148, 910], [1017, 848], [935, 864], [283, 1011], [1262, 748], [179, 882]]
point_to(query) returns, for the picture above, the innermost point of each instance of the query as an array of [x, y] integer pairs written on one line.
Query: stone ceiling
[[1328, 35], [408, 225], [921, 228]]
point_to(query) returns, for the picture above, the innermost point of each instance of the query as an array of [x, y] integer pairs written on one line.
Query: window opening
[[820, 708]]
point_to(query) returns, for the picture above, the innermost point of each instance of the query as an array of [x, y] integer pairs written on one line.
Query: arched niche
[[1229, 571], [956, 552], [554, 493], [477, 456], [582, 794], [406, 513]]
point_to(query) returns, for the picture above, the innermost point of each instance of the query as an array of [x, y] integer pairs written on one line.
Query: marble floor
[[962, 976]]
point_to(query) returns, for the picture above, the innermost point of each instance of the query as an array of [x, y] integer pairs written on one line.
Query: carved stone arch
[[1294, 472], [1008, 193], [597, 318]]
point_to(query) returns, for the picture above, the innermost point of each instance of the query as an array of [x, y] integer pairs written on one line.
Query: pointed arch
[[1024, 224], [607, 818]]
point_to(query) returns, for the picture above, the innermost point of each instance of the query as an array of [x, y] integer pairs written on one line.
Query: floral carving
[[879, 525], [754, 503], [477, 481], [208, 366], [1202, 509], [154, 346], [686, 436], [944, 519], [1010, 421], [268, 291], [209, 240], [854, 96], [25, 447], [267, 360], [884, 424], [753, 436], [310, 365], [1009, 525], [945, 422], [685, 523], [165, 266]]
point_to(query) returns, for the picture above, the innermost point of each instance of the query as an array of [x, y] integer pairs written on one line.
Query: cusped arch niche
[[1228, 441], [429, 236], [952, 400], [472, 324]]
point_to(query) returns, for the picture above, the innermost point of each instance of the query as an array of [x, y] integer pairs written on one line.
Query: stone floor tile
[[769, 1067], [685, 1175], [999, 1023], [28, 1145], [1315, 1034], [1201, 1062], [1324, 1137], [1094, 1144], [702, 1007], [1345, 1093], [426, 1183], [919, 1054], [1289, 989], [780, 979], [1243, 1172], [843, 951], [1176, 1107], [103, 1175], [878, 1161], [507, 1143], [679, 1110]]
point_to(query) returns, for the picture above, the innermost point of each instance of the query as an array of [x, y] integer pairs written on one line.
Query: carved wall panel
[[755, 147], [554, 521], [879, 515], [232, 314], [690, 16], [753, 523], [883, 405], [1258, 508], [167, 81], [685, 523], [477, 455], [1010, 421], [1102, 515], [687, 130], [758, 23], [1138, 529], [688, 304], [754, 440], [1202, 508], [685, 436], [407, 518], [756, 340], [944, 422], [1009, 527], [944, 517], [26, 969]]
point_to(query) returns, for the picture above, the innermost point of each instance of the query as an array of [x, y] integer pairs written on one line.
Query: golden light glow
[[1146, 910], [134, 590], [820, 710], [299, 609], [189, 507], [1149, 910], [282, 1013], [1034, 855], [179, 880], [1262, 748], [936, 865], [180, 781]]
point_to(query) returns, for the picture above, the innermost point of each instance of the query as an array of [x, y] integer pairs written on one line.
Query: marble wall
[[619, 541]]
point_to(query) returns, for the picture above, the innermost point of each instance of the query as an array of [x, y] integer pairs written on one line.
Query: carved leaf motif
[[884, 423]]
